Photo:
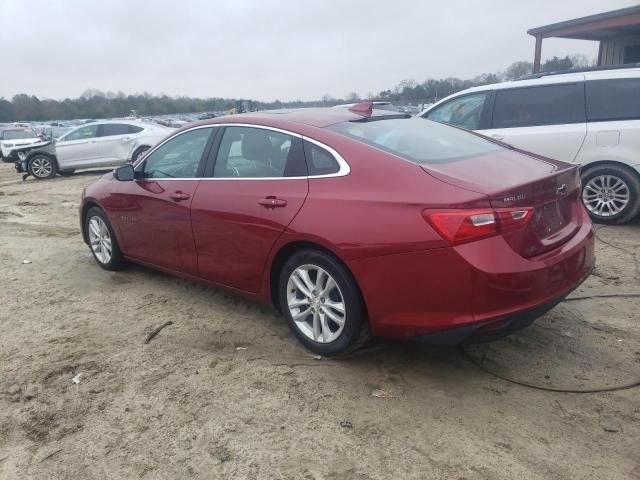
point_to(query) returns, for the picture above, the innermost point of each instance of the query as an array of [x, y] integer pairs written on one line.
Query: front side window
[[178, 157], [248, 152], [82, 133], [464, 112], [535, 106], [418, 140], [615, 99], [111, 129]]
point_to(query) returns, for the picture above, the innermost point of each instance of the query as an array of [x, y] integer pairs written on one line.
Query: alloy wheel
[[606, 195], [100, 239], [41, 167], [316, 303]]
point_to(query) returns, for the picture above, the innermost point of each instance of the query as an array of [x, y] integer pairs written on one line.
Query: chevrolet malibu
[[352, 223]]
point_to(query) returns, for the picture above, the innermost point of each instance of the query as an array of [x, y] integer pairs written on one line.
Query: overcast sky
[[268, 50]]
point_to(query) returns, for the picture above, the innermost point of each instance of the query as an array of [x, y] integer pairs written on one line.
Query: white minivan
[[591, 118]]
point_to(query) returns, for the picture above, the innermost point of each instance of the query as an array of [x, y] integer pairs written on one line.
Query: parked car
[[590, 118], [352, 222], [16, 137], [98, 144], [376, 105]]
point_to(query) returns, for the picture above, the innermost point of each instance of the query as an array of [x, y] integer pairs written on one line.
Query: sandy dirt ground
[[226, 392]]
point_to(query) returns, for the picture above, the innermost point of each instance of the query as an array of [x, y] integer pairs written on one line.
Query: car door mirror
[[124, 173]]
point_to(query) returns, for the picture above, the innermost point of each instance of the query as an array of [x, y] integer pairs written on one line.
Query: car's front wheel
[[139, 151], [611, 194], [42, 167], [102, 240], [322, 303]]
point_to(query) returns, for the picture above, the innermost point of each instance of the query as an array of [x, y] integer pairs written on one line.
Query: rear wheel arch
[[287, 251], [584, 169]]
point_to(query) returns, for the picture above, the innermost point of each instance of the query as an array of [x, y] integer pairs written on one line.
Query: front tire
[[611, 194], [102, 240], [42, 167], [322, 303]]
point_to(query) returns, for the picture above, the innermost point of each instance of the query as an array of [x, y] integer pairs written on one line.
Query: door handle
[[272, 202], [179, 196], [497, 137]]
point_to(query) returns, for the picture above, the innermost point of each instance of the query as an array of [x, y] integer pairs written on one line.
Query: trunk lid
[[512, 179]]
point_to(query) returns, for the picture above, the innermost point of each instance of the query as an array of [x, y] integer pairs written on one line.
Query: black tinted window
[[548, 105], [135, 129], [319, 161], [110, 129], [259, 153], [617, 99]]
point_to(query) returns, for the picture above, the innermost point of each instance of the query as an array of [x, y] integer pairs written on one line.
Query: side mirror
[[124, 173]]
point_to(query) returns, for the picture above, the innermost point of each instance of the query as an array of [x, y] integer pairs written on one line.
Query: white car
[[13, 137], [96, 144], [591, 118]]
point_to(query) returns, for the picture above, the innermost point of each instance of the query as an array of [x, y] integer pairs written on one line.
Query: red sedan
[[352, 223]]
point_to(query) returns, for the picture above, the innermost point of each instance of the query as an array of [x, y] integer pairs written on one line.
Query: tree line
[[95, 104]]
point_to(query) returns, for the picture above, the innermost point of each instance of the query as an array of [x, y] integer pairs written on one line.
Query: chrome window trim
[[167, 140], [343, 170]]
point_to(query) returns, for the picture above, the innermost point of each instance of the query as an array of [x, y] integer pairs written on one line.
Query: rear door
[[154, 210], [256, 183], [79, 148], [548, 120], [116, 142]]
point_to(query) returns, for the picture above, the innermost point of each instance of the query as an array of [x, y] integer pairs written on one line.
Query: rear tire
[[330, 318], [42, 167], [611, 193], [102, 240]]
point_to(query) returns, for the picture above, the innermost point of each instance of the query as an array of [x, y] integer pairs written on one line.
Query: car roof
[[315, 117], [545, 80]]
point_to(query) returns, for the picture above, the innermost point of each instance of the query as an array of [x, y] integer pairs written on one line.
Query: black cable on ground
[[480, 365]]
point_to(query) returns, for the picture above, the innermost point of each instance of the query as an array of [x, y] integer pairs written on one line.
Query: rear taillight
[[459, 226]]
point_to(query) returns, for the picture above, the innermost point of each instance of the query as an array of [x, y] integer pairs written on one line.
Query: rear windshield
[[18, 134], [417, 139]]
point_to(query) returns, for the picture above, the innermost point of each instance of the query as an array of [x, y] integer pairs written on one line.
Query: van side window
[[614, 99], [463, 112], [533, 106]]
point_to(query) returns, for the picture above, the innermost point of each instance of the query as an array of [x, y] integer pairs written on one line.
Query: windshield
[[419, 140], [18, 134]]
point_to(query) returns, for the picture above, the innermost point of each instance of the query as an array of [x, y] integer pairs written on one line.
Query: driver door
[[154, 210]]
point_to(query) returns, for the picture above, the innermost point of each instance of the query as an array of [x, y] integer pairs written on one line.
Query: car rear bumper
[[469, 286]]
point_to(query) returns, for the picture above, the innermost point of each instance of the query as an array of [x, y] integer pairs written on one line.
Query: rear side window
[[615, 99], [463, 112], [249, 152], [534, 106], [135, 129], [418, 140], [110, 129], [320, 161]]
